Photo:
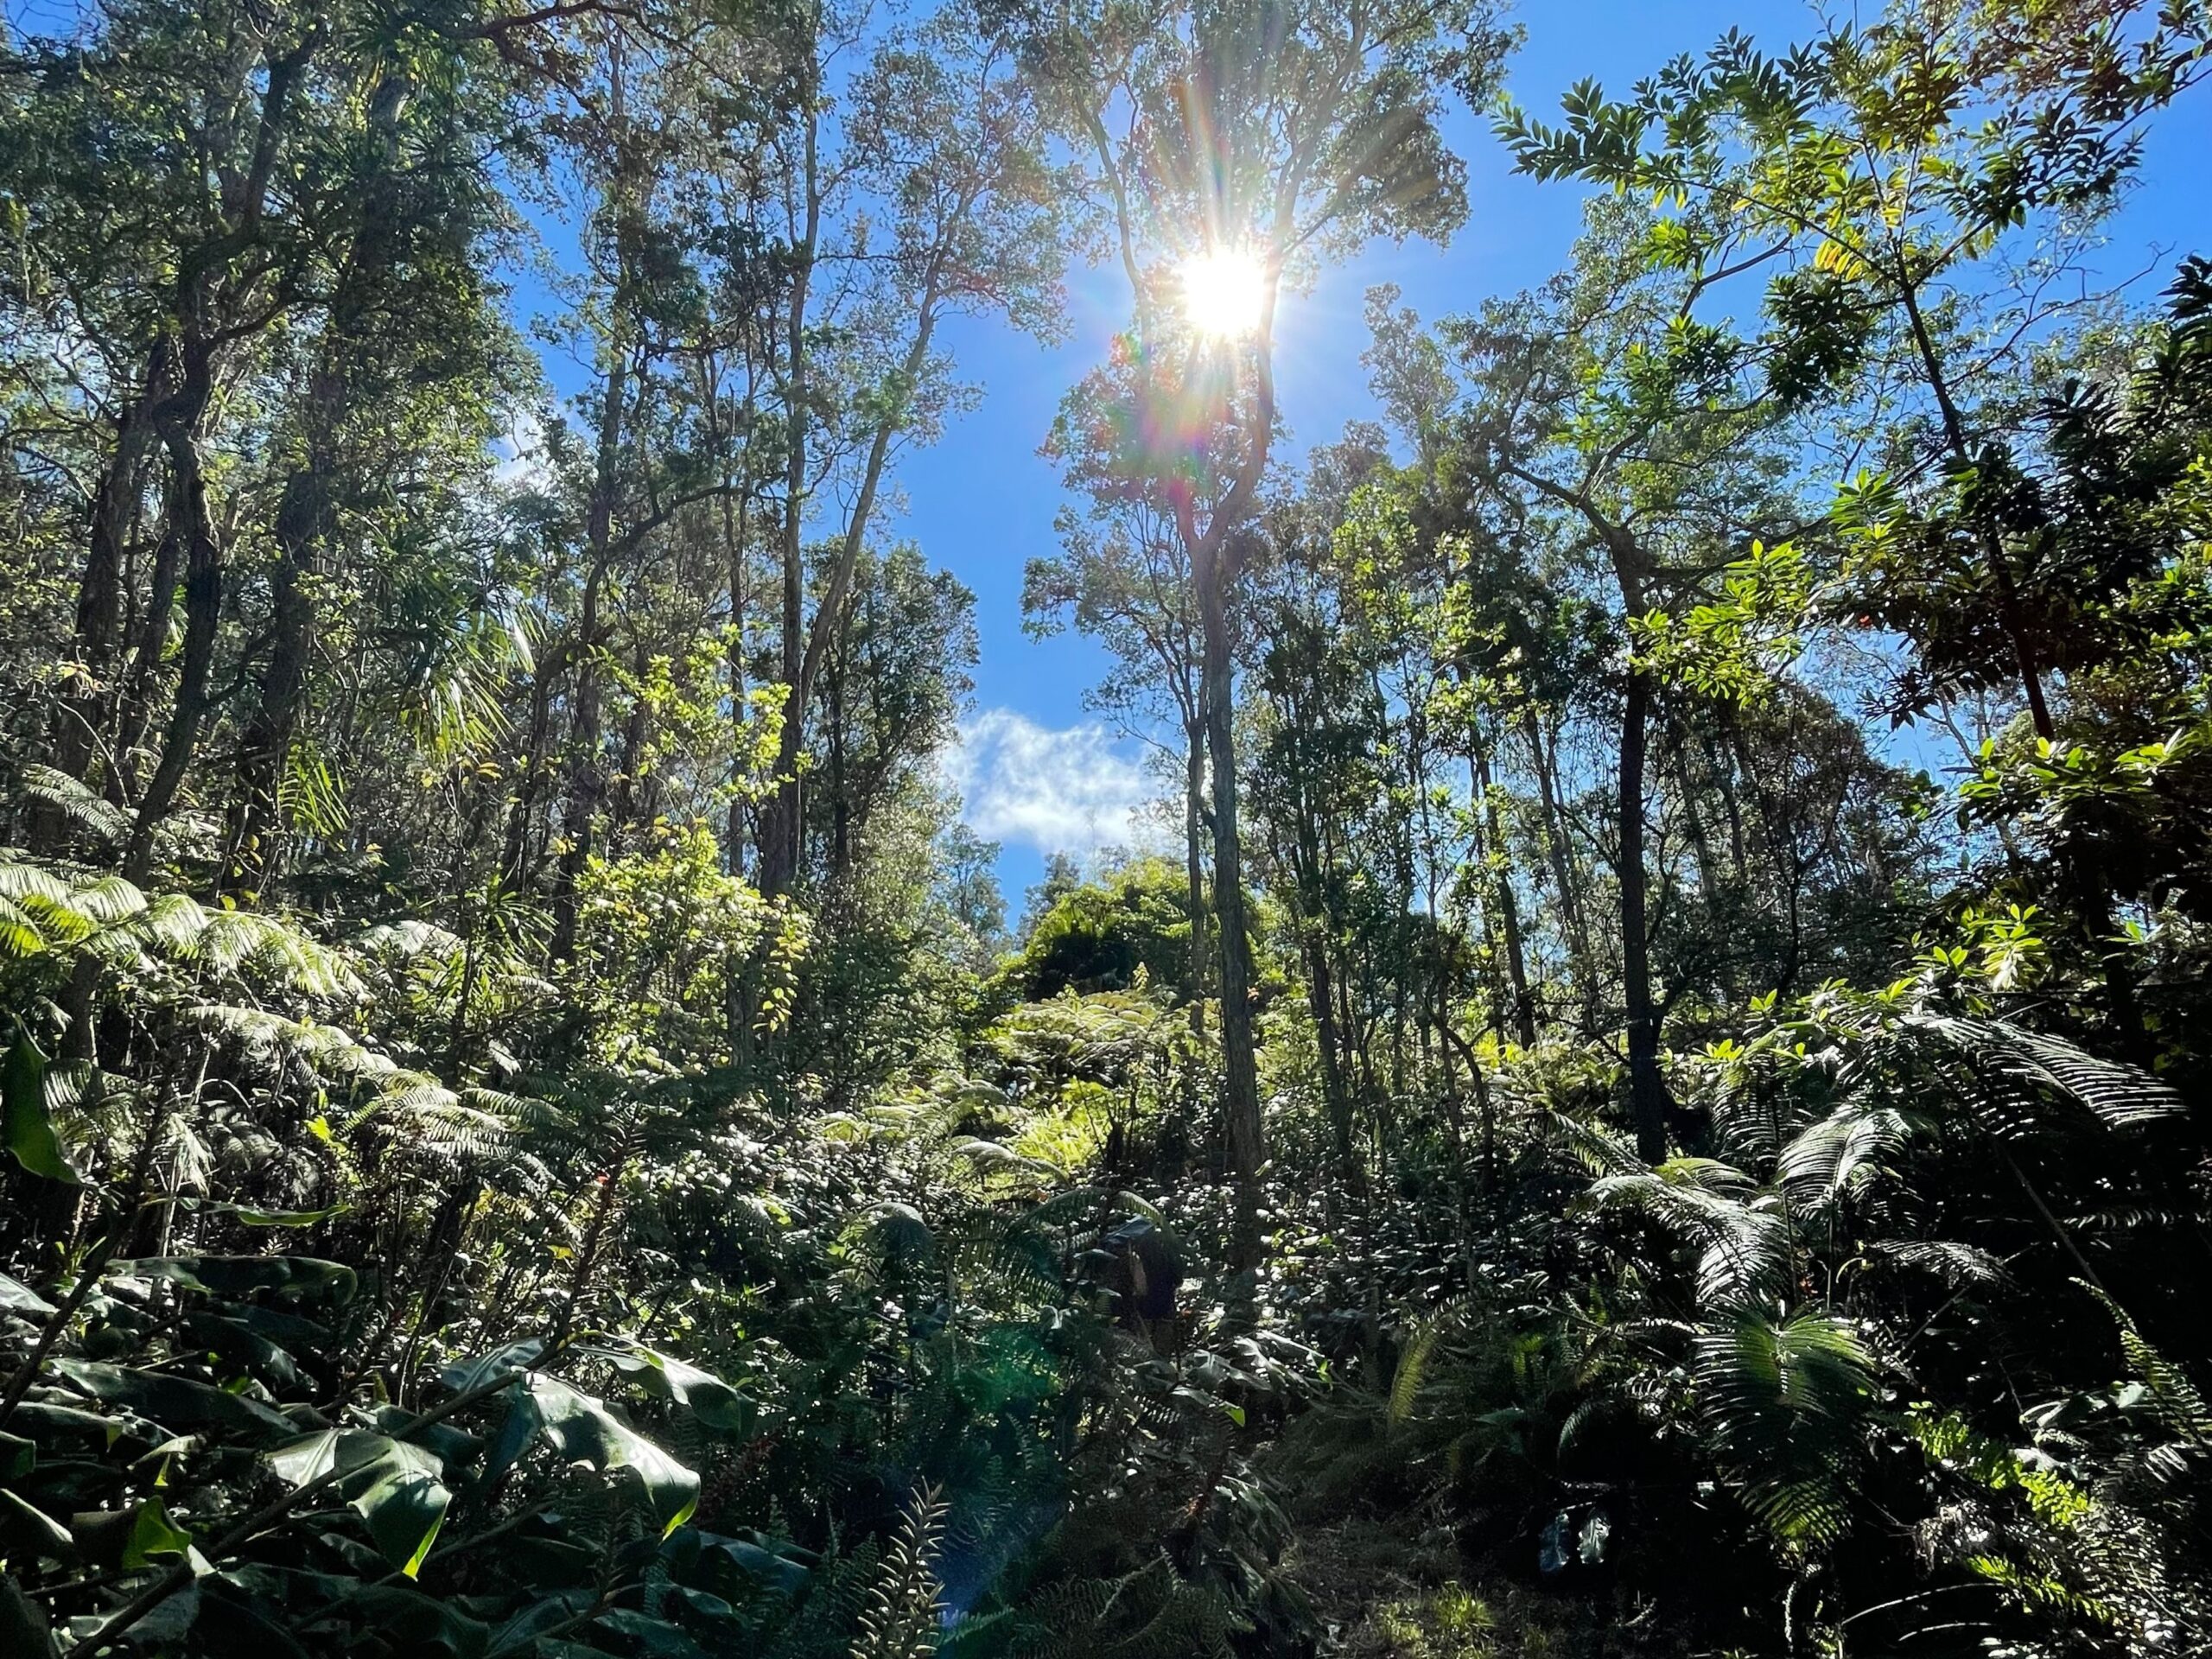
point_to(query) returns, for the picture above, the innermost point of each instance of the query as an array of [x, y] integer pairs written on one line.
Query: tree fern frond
[[84, 809], [1598, 1150], [1786, 1398], [1955, 1264], [2118, 1094], [2179, 1407], [1844, 1152], [1745, 1252]]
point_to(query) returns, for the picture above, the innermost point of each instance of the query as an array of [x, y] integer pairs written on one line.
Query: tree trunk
[[1581, 962], [1240, 1105], [1194, 878], [1509, 907], [828, 615], [303, 522], [1647, 1089], [78, 722], [780, 822], [203, 610]]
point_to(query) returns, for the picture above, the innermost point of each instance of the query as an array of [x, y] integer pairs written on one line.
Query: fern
[[2177, 1404], [2039, 1067], [1786, 1399], [901, 1617], [80, 805]]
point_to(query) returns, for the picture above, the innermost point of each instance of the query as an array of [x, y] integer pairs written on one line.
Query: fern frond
[[900, 1619], [83, 808], [1844, 1152], [1786, 1399], [1955, 1264], [2180, 1408], [2117, 1094]]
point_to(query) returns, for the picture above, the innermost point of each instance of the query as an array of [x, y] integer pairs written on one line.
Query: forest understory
[[1637, 1092]]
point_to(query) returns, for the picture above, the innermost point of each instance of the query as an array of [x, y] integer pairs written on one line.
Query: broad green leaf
[[406, 1506], [152, 1534], [398, 1489], [247, 1215], [47, 1424], [170, 1620], [713, 1401], [465, 1374], [27, 1530], [15, 1297], [771, 1568], [583, 1430], [305, 1278], [410, 1622], [23, 1629], [25, 1126], [172, 1401]]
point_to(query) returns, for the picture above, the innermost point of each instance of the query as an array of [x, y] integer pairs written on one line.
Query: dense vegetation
[[1650, 1101]]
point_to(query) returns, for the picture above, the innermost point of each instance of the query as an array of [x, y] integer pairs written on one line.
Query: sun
[[1223, 293]]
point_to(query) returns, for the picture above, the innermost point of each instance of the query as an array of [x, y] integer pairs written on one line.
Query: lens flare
[[1223, 293]]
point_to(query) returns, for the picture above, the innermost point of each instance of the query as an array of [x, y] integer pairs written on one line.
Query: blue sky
[[1039, 771]]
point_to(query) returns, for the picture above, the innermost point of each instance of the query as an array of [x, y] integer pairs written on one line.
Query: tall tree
[[1237, 144]]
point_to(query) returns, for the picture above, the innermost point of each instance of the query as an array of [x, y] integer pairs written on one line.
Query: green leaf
[[24, 1627], [152, 1534], [28, 1531], [172, 1401], [466, 1374], [46, 1423], [247, 1215], [170, 1620], [410, 1622], [15, 1297], [583, 1430], [406, 1506], [27, 1129], [303, 1278], [778, 1571], [398, 1489], [713, 1401]]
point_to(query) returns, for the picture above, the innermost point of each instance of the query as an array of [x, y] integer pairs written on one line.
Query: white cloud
[[520, 458], [1059, 791]]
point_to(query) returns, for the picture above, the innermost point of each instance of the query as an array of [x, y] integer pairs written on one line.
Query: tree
[[944, 146], [1268, 137]]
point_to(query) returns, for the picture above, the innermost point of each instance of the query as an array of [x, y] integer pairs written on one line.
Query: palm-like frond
[[92, 813], [1844, 1152], [1786, 1397], [2039, 1070], [1955, 1264], [1745, 1239]]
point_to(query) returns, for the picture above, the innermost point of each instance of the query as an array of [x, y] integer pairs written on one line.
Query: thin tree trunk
[[1509, 907], [1194, 877], [78, 721], [779, 847], [1581, 961], [1240, 1105], [586, 768], [203, 608], [1647, 1089]]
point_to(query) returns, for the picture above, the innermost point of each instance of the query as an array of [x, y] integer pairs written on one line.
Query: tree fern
[[1786, 1399], [81, 807], [2038, 1068]]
